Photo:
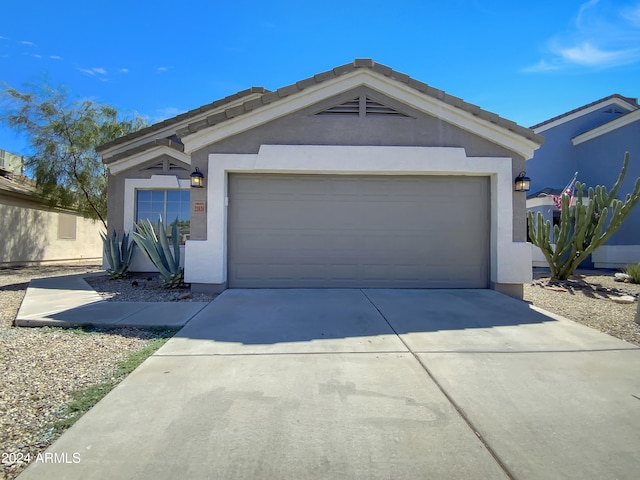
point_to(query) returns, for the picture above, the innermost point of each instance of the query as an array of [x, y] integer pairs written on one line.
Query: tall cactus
[[583, 227]]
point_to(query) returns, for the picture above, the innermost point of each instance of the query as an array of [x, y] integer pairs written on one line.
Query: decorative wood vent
[[361, 107], [157, 166], [173, 166], [164, 166]]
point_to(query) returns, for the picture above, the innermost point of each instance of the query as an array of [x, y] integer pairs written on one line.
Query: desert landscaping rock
[[624, 299], [622, 277], [587, 301]]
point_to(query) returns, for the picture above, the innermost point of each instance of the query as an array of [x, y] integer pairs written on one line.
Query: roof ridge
[[266, 97], [632, 101], [270, 97]]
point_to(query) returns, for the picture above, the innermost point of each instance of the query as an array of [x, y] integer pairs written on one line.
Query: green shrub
[[633, 270]]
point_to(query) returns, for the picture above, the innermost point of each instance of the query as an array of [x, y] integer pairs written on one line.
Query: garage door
[[358, 231]]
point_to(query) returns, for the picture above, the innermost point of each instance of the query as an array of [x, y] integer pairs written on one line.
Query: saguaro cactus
[[584, 226]]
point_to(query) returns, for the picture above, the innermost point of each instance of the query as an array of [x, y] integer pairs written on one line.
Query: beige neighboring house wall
[[33, 233]]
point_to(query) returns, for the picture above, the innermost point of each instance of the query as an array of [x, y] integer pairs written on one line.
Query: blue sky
[[525, 61]]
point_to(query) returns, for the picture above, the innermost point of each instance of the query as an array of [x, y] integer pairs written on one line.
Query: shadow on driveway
[[345, 320]]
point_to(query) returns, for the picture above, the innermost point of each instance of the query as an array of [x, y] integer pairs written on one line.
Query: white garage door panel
[[358, 231]]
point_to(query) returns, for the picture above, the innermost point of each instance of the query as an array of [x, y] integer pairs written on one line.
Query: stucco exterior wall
[[305, 128], [116, 188], [599, 161], [555, 162], [30, 235]]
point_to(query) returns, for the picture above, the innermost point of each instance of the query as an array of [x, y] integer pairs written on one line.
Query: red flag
[[569, 190]]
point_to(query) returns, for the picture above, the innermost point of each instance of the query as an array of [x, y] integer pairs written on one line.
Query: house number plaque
[[199, 207]]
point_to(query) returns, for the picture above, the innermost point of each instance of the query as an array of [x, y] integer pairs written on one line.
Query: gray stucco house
[[359, 176], [592, 141]]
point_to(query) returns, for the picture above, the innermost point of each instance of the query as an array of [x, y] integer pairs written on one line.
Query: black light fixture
[[197, 179], [522, 182]]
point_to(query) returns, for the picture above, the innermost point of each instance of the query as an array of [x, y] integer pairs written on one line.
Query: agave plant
[[153, 242], [118, 254]]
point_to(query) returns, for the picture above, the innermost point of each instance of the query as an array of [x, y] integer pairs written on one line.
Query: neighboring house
[[356, 177], [592, 141], [34, 233]]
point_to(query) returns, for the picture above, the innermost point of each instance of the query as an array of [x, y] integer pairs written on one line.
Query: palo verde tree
[[63, 135], [584, 226]]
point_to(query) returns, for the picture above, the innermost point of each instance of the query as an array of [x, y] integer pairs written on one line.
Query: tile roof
[[632, 101], [267, 97], [173, 142], [270, 97], [17, 184], [181, 118]]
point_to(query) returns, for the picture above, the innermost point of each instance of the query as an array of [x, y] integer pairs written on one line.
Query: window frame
[[158, 182]]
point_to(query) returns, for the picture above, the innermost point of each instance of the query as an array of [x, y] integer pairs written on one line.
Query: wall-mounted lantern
[[197, 179], [522, 182]]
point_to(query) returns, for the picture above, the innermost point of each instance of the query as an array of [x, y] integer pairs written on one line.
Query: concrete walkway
[[69, 301], [366, 384]]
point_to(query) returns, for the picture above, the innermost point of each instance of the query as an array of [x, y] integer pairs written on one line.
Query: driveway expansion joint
[[450, 399], [509, 352]]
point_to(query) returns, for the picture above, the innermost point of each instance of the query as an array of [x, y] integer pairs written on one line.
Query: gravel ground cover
[[142, 288], [587, 298], [42, 367]]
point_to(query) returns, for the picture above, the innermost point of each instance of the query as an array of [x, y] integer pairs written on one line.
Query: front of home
[[358, 177], [592, 141]]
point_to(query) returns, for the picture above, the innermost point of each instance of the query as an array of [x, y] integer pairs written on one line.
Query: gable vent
[[157, 166], [351, 107], [173, 166], [358, 107], [374, 108]]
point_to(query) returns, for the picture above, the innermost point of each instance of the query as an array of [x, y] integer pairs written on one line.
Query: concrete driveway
[[366, 384]]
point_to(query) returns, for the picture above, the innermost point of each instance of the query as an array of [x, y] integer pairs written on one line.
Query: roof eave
[[169, 126], [605, 128]]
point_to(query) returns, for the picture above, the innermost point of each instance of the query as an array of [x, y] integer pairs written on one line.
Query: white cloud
[[163, 69], [123, 70], [95, 71], [632, 15], [588, 55], [55, 57], [603, 34], [542, 66], [25, 42], [583, 10]]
